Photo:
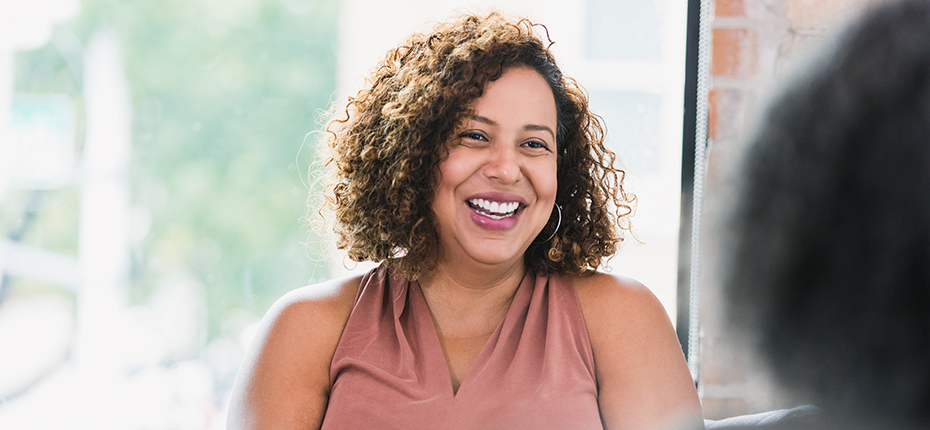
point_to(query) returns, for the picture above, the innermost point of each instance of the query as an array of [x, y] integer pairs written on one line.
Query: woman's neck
[[467, 303]]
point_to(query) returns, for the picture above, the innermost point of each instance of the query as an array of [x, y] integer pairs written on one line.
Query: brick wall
[[754, 42]]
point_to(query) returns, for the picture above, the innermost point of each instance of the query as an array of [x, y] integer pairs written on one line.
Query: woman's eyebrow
[[528, 127], [536, 127], [485, 120]]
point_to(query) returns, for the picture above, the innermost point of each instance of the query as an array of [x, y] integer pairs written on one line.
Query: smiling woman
[[472, 170], [387, 149], [497, 184]]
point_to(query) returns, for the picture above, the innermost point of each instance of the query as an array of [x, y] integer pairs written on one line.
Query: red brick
[[730, 8], [713, 113], [734, 53], [807, 15]]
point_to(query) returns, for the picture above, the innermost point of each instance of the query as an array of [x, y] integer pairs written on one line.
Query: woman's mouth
[[492, 209]]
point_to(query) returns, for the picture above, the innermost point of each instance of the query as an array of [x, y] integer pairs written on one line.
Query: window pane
[[627, 30], [633, 123]]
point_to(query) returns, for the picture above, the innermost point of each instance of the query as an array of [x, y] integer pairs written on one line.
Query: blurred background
[[158, 185], [158, 189]]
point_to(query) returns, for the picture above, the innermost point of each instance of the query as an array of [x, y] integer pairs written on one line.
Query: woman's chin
[[488, 254]]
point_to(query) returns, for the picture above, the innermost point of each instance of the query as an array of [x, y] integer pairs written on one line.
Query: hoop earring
[[557, 225]]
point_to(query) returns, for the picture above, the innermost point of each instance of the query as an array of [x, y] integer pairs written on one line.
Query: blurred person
[[830, 250], [472, 170]]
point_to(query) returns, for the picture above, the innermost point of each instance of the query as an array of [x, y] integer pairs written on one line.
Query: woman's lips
[[500, 213], [493, 209]]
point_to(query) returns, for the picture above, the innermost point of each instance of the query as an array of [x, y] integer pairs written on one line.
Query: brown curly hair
[[387, 148]]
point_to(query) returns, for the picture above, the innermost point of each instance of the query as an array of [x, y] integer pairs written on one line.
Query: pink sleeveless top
[[535, 372]]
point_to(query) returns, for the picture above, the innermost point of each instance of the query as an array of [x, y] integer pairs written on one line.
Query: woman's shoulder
[[308, 319], [306, 322], [320, 305], [609, 295], [620, 311], [636, 351], [284, 378]]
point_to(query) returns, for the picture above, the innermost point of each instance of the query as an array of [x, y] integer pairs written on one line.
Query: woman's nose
[[503, 166]]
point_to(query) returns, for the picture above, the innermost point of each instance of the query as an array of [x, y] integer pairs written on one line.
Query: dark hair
[[387, 147], [830, 255]]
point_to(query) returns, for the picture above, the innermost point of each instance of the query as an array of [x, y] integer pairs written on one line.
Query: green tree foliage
[[223, 94]]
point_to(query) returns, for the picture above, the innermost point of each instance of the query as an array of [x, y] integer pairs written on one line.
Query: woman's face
[[497, 186]]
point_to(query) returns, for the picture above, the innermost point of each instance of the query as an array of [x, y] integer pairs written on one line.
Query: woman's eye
[[537, 145], [472, 135]]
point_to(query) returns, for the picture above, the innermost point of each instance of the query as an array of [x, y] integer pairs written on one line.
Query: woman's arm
[[283, 382], [643, 379]]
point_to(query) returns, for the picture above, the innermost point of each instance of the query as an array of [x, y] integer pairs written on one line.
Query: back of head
[[831, 233]]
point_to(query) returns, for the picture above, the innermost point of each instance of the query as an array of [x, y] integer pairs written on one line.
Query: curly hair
[[387, 147], [830, 254]]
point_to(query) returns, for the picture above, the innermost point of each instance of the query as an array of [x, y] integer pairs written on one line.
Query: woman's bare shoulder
[[313, 313], [310, 318], [622, 315], [643, 380], [602, 292], [620, 312], [332, 298], [283, 381]]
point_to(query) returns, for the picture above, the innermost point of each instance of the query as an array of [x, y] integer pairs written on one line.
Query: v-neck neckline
[[435, 354]]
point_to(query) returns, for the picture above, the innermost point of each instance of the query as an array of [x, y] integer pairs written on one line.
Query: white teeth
[[496, 210]]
